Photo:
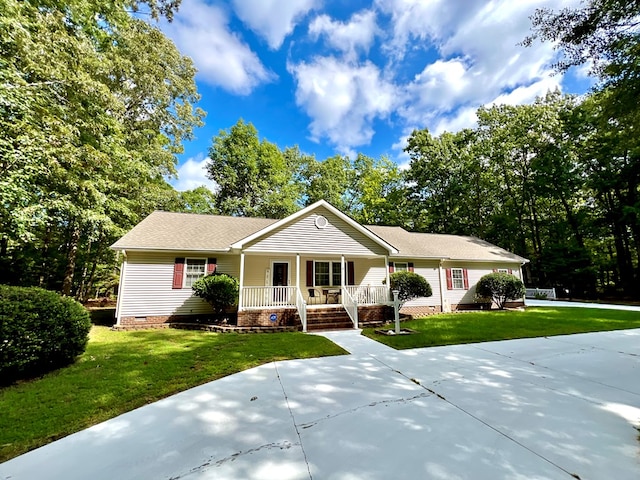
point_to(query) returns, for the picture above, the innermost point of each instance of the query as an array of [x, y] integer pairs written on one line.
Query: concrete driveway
[[548, 408]]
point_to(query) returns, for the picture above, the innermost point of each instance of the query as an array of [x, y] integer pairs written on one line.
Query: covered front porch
[[284, 290]]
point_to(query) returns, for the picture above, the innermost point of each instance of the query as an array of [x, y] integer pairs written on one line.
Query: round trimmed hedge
[[410, 285], [40, 331]]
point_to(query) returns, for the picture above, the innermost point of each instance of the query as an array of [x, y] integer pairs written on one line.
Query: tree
[[410, 285], [95, 105], [500, 287], [253, 176]]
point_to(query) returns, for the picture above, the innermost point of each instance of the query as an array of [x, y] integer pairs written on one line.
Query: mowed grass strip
[[121, 371], [471, 327]]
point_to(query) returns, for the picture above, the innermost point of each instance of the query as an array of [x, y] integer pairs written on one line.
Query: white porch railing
[[262, 297], [350, 305], [301, 305], [549, 293], [370, 295]]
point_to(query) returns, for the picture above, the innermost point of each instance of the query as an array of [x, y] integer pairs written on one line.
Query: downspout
[[241, 281], [121, 287], [441, 289]]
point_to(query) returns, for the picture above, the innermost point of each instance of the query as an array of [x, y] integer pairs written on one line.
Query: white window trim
[[461, 279], [503, 270], [330, 262], [186, 267], [396, 267]]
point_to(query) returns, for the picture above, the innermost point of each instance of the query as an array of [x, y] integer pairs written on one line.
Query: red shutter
[[465, 276], [390, 267], [449, 280], [495, 270], [211, 265], [510, 272], [411, 266], [351, 274], [309, 273], [178, 272]]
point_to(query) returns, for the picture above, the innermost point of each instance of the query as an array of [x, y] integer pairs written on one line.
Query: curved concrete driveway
[[548, 408]]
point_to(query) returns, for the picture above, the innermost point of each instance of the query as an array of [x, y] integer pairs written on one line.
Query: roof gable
[[318, 232], [325, 208]]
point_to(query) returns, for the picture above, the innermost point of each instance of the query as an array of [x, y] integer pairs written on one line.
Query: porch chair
[[314, 296]]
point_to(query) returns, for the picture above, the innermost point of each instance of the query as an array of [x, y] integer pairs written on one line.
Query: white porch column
[[298, 271], [386, 269], [342, 276], [241, 280]]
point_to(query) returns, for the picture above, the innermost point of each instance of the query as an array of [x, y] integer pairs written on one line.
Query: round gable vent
[[321, 222]]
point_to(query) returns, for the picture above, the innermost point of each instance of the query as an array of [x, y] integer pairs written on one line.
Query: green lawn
[[121, 371], [470, 327]]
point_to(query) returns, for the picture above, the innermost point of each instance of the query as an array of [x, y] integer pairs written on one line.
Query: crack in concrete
[[360, 407], [495, 429], [293, 420], [211, 463], [563, 372]]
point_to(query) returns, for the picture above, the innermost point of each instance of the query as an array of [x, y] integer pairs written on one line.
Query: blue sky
[[349, 76]]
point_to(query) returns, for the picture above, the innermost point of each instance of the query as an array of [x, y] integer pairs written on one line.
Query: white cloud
[[342, 99], [273, 19], [201, 31], [193, 174], [356, 34], [480, 58]]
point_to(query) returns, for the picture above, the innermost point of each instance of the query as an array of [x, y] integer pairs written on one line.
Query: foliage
[[121, 371], [219, 290], [410, 285], [253, 176], [95, 106], [39, 331], [489, 326], [500, 287]]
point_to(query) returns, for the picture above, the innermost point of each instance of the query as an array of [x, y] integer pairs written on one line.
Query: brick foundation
[[158, 321], [285, 317], [421, 311], [375, 313]]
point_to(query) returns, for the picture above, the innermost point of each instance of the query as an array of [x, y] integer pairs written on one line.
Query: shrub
[[39, 331], [410, 285], [219, 290], [500, 287]]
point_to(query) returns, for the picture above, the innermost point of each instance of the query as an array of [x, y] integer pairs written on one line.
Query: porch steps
[[328, 319]]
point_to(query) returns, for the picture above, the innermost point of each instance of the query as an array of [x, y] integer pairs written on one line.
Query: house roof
[[215, 233], [188, 231], [434, 245]]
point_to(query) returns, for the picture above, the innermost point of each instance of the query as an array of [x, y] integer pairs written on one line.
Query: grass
[[121, 371], [471, 327]]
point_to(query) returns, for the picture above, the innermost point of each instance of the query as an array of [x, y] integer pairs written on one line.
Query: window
[[322, 273], [503, 270], [327, 274], [400, 267], [335, 274], [457, 278], [195, 270]]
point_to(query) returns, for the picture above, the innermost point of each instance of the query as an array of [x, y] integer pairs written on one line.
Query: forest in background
[[95, 105]]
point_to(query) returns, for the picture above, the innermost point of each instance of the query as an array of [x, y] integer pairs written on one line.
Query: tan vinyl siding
[[370, 272], [302, 236], [149, 279], [429, 270], [256, 266]]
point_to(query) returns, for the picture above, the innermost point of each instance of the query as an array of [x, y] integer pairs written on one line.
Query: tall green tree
[[94, 106], [254, 178]]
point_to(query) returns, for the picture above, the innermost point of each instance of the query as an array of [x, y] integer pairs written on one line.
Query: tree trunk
[[67, 282]]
